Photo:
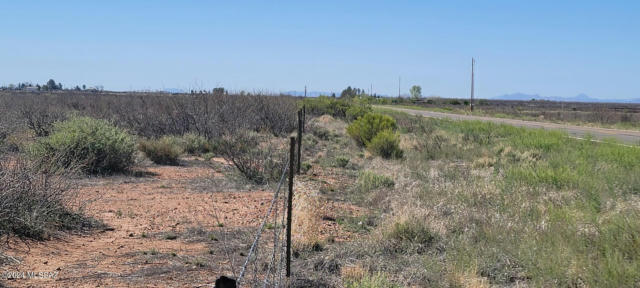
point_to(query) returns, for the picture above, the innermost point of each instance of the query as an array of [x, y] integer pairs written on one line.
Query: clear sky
[[553, 48]]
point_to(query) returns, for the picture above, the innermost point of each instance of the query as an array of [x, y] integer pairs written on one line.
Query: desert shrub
[[164, 151], [96, 145], [413, 124], [342, 161], [254, 155], [34, 204], [276, 115], [326, 105], [319, 131], [153, 115], [208, 156], [368, 181], [356, 111], [195, 144], [385, 144], [368, 126]]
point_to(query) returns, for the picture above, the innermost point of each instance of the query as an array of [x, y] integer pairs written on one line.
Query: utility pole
[[473, 63], [398, 86], [305, 91]]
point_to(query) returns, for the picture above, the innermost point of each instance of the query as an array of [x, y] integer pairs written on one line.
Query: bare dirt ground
[[162, 231]]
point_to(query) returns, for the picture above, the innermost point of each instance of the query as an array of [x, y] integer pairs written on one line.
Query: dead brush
[[258, 157], [35, 203], [307, 222]]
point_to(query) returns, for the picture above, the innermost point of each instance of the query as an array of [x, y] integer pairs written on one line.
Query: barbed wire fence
[[268, 261]]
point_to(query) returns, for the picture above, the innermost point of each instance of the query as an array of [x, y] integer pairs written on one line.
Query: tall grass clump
[[164, 151], [368, 180], [96, 145], [410, 232]]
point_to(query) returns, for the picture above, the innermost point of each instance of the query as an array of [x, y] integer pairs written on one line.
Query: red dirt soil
[[134, 250]]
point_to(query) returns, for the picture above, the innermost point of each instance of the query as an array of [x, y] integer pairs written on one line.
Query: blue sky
[[552, 48]]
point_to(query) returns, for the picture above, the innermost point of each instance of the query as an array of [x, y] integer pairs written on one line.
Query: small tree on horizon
[[51, 84], [416, 92]]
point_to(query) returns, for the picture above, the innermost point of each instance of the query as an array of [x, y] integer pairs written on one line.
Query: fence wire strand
[[262, 272]]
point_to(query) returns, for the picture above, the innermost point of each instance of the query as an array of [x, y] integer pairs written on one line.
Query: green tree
[[351, 92], [416, 92], [51, 85]]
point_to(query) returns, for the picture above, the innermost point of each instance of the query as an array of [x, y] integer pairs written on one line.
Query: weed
[[342, 161]]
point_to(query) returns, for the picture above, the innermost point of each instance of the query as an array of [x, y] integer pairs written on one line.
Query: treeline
[[51, 85]]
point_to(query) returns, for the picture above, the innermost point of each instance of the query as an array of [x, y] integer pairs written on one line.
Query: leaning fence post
[[290, 202], [299, 140]]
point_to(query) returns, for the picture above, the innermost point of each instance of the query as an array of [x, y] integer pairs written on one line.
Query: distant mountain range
[[577, 98], [309, 93]]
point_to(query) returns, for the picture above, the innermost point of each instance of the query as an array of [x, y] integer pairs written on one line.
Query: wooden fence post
[[304, 118], [292, 148], [300, 124]]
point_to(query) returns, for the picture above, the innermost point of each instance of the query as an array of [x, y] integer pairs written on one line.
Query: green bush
[[326, 105], [386, 145], [195, 144], [368, 126], [356, 111], [96, 145], [164, 151], [340, 108]]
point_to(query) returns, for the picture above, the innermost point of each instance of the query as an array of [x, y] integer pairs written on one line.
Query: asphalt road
[[624, 136]]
